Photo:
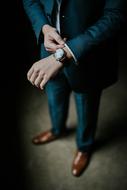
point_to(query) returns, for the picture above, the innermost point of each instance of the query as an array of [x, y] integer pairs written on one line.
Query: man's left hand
[[43, 70]]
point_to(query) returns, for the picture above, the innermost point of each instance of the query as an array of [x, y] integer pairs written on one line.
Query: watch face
[[59, 54]]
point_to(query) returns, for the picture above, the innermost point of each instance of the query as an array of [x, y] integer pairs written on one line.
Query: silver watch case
[[60, 55]]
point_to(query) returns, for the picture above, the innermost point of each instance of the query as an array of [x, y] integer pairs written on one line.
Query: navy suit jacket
[[91, 28]]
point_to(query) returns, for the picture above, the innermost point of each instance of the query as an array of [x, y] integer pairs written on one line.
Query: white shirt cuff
[[76, 61]]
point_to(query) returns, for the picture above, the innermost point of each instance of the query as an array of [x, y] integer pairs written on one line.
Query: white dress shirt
[[58, 28]]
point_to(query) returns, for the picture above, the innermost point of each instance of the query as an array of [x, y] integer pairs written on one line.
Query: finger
[[59, 46], [33, 77], [51, 46], [30, 72], [63, 45], [49, 50], [39, 80], [44, 81], [58, 39]]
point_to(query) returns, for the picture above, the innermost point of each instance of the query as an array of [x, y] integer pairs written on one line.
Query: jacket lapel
[[49, 6]]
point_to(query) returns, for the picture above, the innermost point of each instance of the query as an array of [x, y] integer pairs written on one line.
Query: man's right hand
[[52, 40]]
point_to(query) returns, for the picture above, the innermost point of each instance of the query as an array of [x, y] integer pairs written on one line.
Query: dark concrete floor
[[49, 166]]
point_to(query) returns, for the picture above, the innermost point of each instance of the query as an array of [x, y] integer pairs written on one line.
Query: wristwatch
[[60, 55]]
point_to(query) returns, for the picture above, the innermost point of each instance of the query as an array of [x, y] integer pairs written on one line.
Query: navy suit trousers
[[87, 104]]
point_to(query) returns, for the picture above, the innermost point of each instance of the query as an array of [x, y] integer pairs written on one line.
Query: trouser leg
[[58, 92], [87, 105]]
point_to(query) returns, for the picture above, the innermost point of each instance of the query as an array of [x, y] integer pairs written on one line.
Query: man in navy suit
[[78, 50]]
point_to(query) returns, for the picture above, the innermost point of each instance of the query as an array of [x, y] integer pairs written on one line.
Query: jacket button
[[63, 16]]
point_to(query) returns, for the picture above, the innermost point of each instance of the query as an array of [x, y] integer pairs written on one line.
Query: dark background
[[19, 52]]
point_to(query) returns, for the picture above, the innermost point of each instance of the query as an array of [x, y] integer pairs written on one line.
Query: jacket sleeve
[[106, 27], [36, 15]]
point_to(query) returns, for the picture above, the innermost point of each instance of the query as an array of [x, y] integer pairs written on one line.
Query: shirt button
[[63, 16]]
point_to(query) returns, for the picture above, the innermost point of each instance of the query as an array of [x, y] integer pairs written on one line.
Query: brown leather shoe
[[80, 163], [44, 137]]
